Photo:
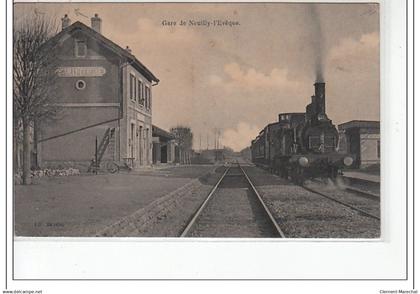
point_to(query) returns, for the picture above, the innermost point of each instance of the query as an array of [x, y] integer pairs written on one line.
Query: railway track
[[355, 191], [347, 203], [361, 208], [362, 193], [233, 208]]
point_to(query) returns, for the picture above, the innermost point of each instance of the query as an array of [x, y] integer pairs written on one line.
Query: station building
[[104, 95], [362, 139]]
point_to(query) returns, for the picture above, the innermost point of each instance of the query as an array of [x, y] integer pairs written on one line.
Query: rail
[[203, 205], [270, 215], [361, 211], [197, 214]]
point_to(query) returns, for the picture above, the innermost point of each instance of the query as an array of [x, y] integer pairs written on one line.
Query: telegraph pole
[[215, 138]]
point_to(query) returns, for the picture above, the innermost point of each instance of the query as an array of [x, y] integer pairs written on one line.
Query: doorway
[[164, 154]]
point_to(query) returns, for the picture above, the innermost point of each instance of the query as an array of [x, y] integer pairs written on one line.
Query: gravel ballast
[[233, 211], [303, 214]]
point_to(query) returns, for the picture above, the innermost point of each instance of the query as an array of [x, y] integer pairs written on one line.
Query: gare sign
[[81, 71]]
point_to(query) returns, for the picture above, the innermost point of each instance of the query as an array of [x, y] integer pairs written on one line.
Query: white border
[[159, 258]]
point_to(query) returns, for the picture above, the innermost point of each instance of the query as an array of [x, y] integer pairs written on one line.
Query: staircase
[[106, 140]]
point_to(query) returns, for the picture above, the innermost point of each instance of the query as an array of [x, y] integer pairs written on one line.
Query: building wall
[[78, 146], [369, 151], [96, 103], [363, 143], [137, 144], [100, 87], [104, 101]]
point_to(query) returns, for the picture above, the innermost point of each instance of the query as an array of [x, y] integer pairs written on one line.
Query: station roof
[[158, 132], [366, 124], [109, 44]]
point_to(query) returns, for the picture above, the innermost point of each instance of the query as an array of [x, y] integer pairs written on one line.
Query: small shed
[[363, 139], [163, 146]]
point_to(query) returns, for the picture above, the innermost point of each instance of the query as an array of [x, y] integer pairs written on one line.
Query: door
[[164, 154], [132, 130], [140, 144], [147, 161]]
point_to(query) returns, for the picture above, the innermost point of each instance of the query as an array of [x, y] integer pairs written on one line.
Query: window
[[141, 93], [80, 48], [147, 98], [131, 140], [378, 148], [80, 85], [132, 87], [150, 100]]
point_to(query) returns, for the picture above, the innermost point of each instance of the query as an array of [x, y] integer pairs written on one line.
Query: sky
[[237, 79]]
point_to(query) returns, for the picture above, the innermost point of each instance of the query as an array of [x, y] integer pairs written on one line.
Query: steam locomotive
[[301, 145]]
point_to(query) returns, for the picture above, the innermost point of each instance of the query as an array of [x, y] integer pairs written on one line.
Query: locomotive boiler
[[301, 145]]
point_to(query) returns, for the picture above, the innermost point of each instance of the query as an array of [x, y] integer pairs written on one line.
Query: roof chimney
[[65, 22], [128, 49], [96, 23]]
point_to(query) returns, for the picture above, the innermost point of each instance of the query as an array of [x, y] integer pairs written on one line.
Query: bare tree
[[184, 139], [34, 79]]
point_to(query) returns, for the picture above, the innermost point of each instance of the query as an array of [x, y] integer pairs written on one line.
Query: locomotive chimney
[[320, 96]]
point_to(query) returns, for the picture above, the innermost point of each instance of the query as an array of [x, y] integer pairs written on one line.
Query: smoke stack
[[320, 97], [96, 23], [65, 22]]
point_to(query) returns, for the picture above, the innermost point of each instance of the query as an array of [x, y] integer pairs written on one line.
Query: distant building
[[208, 156], [361, 138], [103, 92]]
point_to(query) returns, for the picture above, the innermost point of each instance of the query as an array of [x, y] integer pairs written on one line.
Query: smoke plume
[[317, 42]]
